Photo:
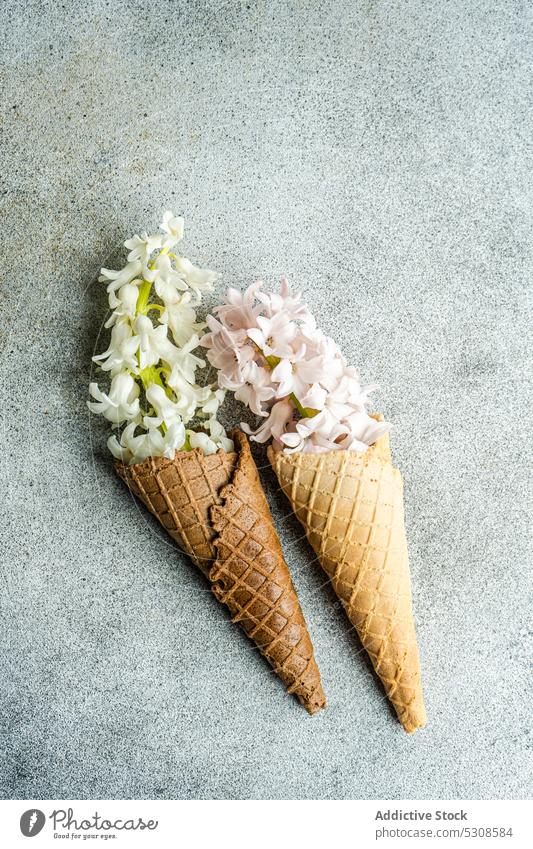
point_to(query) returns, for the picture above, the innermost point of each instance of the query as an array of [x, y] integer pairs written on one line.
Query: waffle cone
[[215, 509], [351, 507]]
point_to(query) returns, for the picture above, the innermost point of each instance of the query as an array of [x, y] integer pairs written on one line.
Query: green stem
[[142, 299], [150, 375]]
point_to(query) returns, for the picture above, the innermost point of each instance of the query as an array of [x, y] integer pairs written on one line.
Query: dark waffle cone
[[251, 577], [351, 507], [215, 509], [180, 493]]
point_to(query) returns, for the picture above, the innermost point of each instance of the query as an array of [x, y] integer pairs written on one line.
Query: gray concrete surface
[[376, 153]]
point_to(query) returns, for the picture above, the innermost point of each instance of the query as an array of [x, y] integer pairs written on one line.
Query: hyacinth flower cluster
[[153, 393], [269, 351]]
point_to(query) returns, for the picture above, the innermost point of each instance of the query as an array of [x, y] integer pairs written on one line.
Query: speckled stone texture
[[376, 153]]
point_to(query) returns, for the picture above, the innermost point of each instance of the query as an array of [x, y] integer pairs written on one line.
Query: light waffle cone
[[215, 509], [351, 506]]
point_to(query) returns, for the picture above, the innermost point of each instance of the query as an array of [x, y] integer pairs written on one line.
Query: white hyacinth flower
[[121, 352], [167, 410], [116, 279], [122, 402], [174, 439], [134, 448], [172, 225], [198, 439], [181, 319], [213, 401], [199, 279], [118, 451], [189, 397], [185, 363], [124, 305], [213, 441], [218, 434], [142, 247], [169, 284], [154, 344], [154, 333]]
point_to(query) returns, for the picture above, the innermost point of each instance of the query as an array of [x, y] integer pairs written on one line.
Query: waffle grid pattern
[[252, 579], [215, 509], [351, 507], [180, 493]]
